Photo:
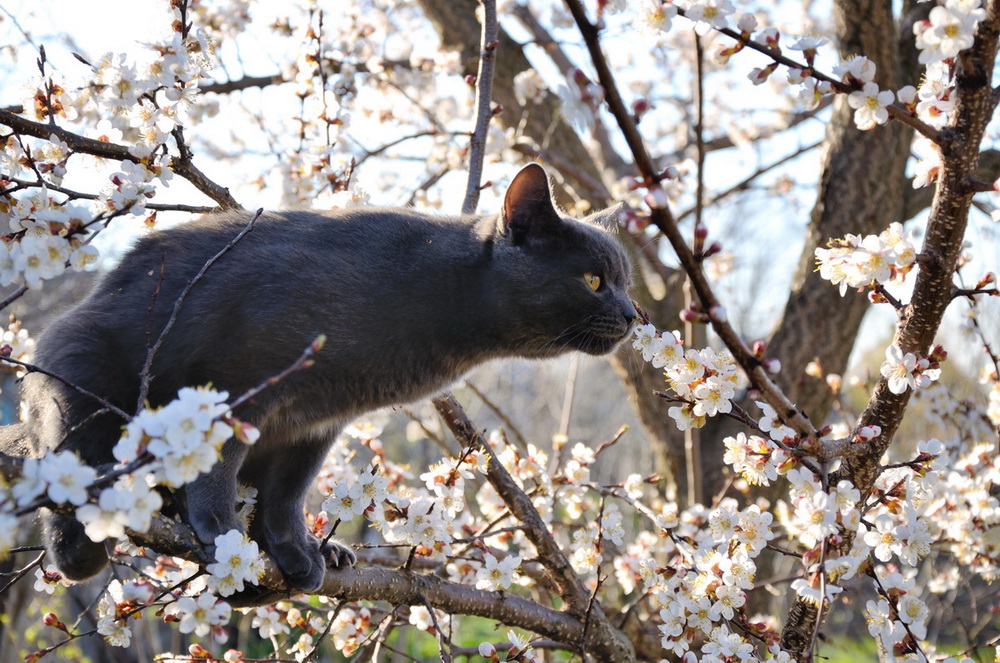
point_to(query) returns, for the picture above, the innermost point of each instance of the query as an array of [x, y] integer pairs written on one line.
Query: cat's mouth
[[601, 341]]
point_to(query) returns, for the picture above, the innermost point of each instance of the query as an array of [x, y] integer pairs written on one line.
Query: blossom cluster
[[863, 262], [185, 436], [16, 343], [183, 440], [948, 29], [124, 100], [907, 371], [711, 567], [705, 381], [44, 236], [237, 560]]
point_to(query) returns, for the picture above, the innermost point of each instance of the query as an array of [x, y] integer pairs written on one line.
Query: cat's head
[[565, 280]]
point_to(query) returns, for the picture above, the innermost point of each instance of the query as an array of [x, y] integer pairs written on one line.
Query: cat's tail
[[66, 542]]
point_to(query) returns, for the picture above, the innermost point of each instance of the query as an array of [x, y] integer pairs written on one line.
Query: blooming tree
[[782, 466]]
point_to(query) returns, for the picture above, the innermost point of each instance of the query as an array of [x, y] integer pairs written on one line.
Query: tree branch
[[484, 105], [610, 643], [183, 166]]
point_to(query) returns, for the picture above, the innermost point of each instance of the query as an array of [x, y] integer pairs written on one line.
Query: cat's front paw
[[338, 555], [301, 562]]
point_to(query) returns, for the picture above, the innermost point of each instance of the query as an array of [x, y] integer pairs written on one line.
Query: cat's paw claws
[[338, 555]]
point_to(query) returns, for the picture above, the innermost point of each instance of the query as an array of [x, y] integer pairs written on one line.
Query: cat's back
[[302, 248]]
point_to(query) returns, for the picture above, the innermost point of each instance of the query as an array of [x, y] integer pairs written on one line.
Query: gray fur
[[408, 302]]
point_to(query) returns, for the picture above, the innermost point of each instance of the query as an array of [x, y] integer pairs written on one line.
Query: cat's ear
[[606, 219], [527, 207]]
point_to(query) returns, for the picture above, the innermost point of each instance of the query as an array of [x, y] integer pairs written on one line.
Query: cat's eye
[[593, 280]]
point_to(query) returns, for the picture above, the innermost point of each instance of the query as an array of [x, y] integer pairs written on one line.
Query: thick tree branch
[[611, 644], [920, 320], [183, 166]]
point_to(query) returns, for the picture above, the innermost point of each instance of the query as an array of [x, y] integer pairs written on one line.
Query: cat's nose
[[630, 314]]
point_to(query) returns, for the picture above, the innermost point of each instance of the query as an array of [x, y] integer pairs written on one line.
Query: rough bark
[[933, 289], [817, 323], [860, 191]]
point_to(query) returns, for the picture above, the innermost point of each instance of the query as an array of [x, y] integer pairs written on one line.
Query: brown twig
[[662, 217], [31, 368], [77, 143], [602, 638], [146, 375], [484, 105]]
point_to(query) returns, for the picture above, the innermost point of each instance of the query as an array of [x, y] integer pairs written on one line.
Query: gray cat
[[408, 302]]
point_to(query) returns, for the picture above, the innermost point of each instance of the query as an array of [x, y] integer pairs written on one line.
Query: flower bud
[[657, 198], [197, 651], [687, 315], [50, 619]]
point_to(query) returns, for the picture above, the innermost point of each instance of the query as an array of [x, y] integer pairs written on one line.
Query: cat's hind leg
[[283, 473]]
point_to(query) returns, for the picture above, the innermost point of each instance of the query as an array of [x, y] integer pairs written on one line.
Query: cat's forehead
[[602, 247]]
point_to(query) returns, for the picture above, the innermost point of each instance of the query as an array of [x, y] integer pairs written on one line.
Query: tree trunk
[[456, 24]]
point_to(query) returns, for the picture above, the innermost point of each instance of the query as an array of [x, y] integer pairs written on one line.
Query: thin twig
[[484, 105], [501, 415], [31, 368], [146, 374], [304, 361], [662, 217]]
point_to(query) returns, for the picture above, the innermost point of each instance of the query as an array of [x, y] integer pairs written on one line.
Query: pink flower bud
[[50, 619], [747, 24], [718, 314], [772, 365], [758, 348], [687, 315], [632, 183], [657, 198], [197, 651]]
